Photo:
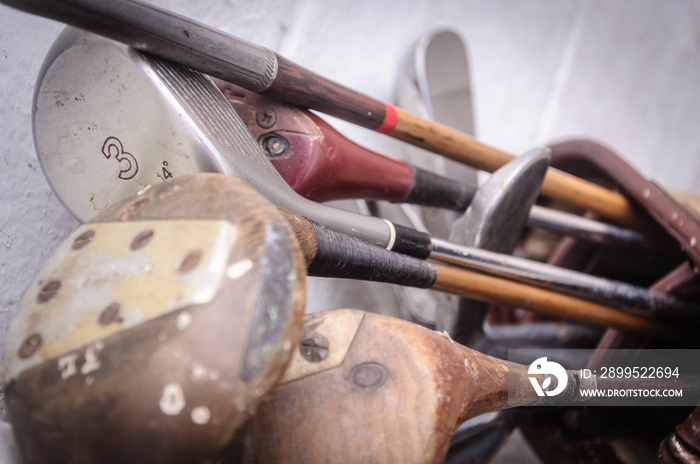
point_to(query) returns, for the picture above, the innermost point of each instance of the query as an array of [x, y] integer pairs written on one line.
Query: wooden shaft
[[557, 184], [260, 70], [501, 291], [302, 87]]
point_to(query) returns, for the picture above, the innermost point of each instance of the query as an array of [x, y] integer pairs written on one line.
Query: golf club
[[494, 221], [205, 49], [93, 96], [379, 389], [398, 390], [154, 332], [435, 84], [321, 164], [333, 254]]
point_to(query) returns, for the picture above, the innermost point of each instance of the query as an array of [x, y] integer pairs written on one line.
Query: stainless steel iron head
[[154, 332], [498, 213], [109, 120], [493, 221]]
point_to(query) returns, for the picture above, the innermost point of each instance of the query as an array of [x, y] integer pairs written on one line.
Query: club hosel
[[333, 254], [571, 393], [410, 242], [430, 189], [511, 385], [493, 376], [521, 390]]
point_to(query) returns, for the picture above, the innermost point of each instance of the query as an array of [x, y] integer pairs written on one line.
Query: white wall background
[[624, 72]]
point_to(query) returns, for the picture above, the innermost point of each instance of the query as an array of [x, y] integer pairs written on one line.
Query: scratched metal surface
[[625, 73]]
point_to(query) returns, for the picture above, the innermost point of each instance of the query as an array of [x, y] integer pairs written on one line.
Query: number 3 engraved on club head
[[113, 146]]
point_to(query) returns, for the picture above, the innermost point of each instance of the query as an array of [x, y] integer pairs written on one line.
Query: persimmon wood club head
[[321, 164], [369, 388], [153, 332], [365, 387]]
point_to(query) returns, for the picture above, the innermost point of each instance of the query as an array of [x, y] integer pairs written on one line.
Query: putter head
[[154, 332], [494, 221], [364, 387], [109, 120]]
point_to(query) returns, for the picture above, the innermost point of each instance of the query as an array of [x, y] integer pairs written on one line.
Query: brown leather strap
[[670, 214]]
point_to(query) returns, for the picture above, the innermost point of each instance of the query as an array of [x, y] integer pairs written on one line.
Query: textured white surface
[[626, 73]]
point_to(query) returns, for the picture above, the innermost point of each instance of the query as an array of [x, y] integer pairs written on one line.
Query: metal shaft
[[563, 223], [543, 275]]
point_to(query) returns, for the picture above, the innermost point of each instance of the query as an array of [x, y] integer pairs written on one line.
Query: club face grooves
[[109, 121]]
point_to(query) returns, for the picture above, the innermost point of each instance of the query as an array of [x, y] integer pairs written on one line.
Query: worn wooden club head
[[153, 333], [369, 388]]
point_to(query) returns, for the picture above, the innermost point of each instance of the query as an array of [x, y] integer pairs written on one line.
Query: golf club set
[[170, 326]]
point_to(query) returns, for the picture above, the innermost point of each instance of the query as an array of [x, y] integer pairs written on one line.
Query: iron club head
[[109, 120], [494, 222]]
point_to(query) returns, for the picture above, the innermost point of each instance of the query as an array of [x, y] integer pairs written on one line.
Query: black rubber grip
[[430, 189], [411, 242], [344, 256]]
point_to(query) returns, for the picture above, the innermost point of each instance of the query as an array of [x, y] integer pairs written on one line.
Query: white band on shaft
[[392, 234]]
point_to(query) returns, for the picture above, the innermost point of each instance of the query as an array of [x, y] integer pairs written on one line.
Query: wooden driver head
[[155, 331], [369, 388]]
